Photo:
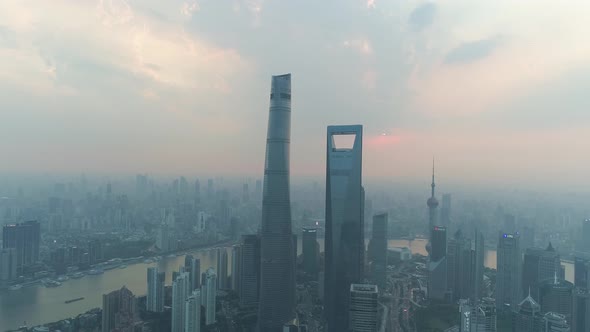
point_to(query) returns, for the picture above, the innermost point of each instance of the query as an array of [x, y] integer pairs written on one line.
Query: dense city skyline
[[149, 86], [136, 193]]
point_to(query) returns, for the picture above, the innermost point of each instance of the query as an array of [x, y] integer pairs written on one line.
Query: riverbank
[[39, 305]]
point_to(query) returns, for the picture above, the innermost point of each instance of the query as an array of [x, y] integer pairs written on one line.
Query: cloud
[[188, 9], [472, 51], [422, 16], [370, 4], [363, 46], [114, 12]]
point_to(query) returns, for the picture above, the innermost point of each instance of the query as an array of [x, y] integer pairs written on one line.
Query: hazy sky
[[496, 90]]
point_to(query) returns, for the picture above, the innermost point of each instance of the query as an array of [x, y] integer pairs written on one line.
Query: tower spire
[[432, 185]]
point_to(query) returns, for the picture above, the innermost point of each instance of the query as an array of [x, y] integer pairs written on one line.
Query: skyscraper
[[585, 236], [539, 265], [7, 266], [477, 259], [155, 290], [344, 248], [432, 204], [119, 310], [192, 313], [509, 267], [236, 267], [25, 239], [193, 267], [459, 267], [581, 310], [222, 261], [277, 291], [554, 322], [211, 296], [250, 270], [180, 291], [445, 211], [363, 308], [310, 248], [528, 318], [378, 250], [557, 296], [581, 271], [479, 316], [437, 265]]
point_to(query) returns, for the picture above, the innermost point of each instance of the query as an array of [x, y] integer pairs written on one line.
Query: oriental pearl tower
[[432, 203]]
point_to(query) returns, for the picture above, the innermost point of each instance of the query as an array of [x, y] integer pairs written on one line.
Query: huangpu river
[[37, 304]]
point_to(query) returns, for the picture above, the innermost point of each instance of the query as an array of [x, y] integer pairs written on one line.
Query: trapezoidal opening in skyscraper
[[343, 141]]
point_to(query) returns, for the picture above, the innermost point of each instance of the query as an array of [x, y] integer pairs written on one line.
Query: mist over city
[[294, 166]]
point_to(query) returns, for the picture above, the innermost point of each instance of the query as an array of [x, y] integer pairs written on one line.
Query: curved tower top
[[277, 265]]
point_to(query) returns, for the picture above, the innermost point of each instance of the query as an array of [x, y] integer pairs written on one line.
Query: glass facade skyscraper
[[344, 248], [277, 266]]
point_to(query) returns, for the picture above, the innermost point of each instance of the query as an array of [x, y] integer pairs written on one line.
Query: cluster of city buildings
[[348, 280]]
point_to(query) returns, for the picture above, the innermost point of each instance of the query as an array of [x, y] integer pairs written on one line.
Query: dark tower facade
[[344, 250], [378, 251], [277, 266]]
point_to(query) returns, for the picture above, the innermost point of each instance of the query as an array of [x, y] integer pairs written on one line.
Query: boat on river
[[51, 283], [63, 278], [15, 287], [74, 300], [95, 272]]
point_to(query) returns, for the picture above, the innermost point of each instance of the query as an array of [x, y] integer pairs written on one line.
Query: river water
[[37, 304]]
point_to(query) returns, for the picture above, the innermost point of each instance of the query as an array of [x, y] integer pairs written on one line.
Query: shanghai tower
[[277, 266]]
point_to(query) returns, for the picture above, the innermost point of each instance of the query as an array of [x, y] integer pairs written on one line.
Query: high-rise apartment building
[[210, 296], [25, 238], [193, 267], [310, 248], [539, 266], [363, 308], [222, 274], [192, 313], [250, 270], [119, 310], [155, 290], [509, 267], [277, 286], [180, 291], [344, 244], [377, 251]]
